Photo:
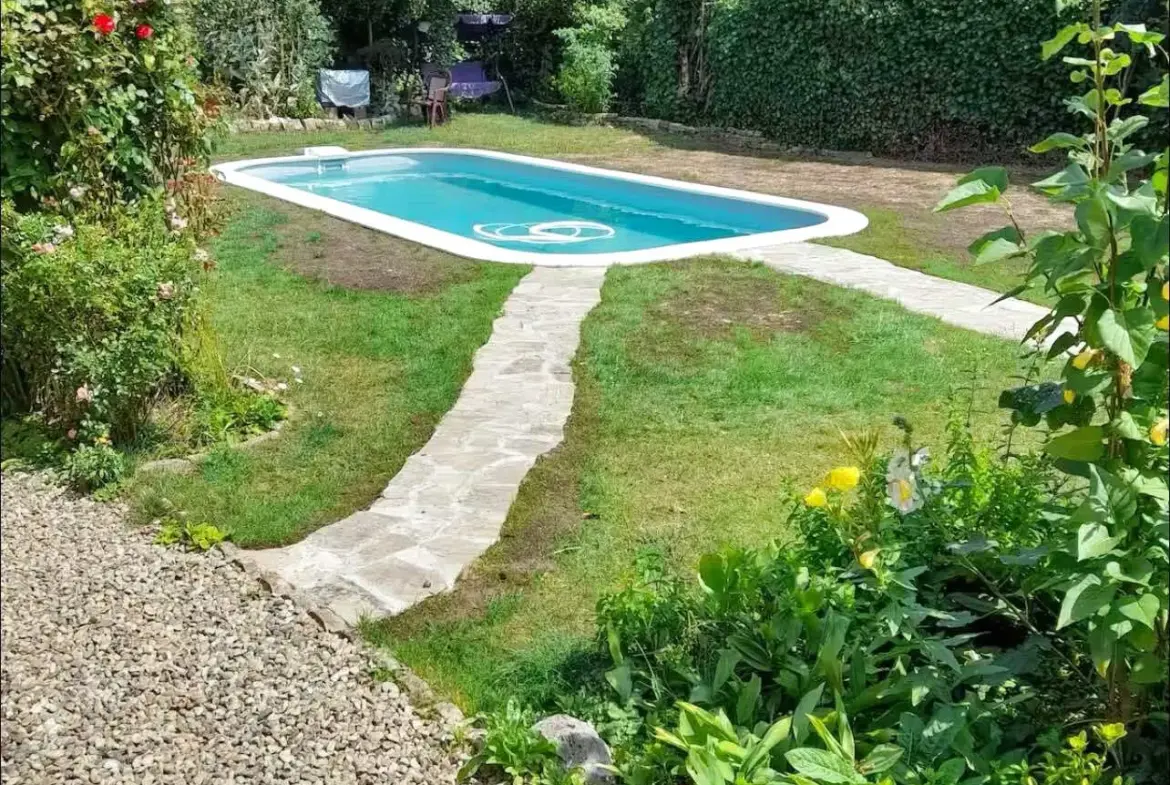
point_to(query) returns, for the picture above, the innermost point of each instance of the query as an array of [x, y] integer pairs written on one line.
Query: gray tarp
[[343, 88]]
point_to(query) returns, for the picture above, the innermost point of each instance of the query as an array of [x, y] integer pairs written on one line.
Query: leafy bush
[[92, 467], [587, 68], [98, 104], [1106, 419], [511, 747], [938, 79], [266, 54], [94, 317]]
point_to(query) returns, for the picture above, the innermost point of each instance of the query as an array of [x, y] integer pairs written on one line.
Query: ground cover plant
[[977, 616]]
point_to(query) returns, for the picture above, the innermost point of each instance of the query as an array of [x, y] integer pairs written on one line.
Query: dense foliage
[[992, 619], [585, 78], [98, 102], [266, 54], [914, 78]]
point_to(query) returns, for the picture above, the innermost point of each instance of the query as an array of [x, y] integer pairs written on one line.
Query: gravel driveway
[[127, 662]]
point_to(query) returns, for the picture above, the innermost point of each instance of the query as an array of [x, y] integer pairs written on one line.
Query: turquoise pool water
[[528, 207]]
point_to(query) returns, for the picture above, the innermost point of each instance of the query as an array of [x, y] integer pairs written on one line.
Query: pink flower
[[84, 394], [104, 24], [44, 247], [142, 32]]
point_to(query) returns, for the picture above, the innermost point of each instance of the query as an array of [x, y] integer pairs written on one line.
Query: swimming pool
[[510, 208]]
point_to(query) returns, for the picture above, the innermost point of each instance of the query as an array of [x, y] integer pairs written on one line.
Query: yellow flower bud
[[816, 498], [843, 478], [1158, 431], [1069, 396], [868, 558], [1082, 360], [1163, 323]]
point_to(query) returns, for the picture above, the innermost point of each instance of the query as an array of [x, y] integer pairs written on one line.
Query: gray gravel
[[127, 662]]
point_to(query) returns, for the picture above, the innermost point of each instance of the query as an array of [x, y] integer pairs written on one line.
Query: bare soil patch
[[327, 249], [908, 189]]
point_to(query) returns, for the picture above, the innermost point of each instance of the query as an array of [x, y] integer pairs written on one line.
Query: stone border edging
[[244, 126], [422, 697], [191, 461]]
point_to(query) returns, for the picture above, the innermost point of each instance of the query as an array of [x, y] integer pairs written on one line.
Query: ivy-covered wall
[[931, 79]]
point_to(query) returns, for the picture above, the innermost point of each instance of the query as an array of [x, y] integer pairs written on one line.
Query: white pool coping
[[838, 220]]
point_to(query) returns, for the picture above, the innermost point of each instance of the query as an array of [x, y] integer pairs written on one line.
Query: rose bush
[[101, 100]]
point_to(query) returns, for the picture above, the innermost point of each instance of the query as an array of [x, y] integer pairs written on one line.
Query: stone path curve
[[448, 503], [960, 304]]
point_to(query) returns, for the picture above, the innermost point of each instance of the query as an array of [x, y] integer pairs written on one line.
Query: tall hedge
[[916, 78]]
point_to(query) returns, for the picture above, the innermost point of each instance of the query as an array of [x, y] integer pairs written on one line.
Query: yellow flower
[[1166, 291], [1158, 431], [843, 478], [1082, 360], [1163, 323], [868, 558], [816, 498], [1069, 396]]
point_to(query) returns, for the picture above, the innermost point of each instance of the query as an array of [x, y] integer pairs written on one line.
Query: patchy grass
[[379, 367], [888, 238], [511, 133], [702, 386]]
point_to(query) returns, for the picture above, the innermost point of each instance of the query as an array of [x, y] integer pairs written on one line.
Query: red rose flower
[[143, 32], [104, 24]]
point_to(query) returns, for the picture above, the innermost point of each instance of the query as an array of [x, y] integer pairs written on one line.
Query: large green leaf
[[974, 192], [1093, 220], [777, 732], [822, 766], [1053, 45], [1083, 599], [749, 696], [1150, 238], [1127, 334], [880, 758], [804, 710], [996, 246], [1059, 141], [995, 176], [1143, 610], [1158, 95], [1083, 444], [1093, 540], [1069, 183]]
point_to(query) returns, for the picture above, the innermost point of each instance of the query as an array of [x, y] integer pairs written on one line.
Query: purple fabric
[[468, 80]]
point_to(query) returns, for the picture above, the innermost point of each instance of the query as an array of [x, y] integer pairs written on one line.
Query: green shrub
[[939, 79], [92, 467], [266, 54], [99, 102], [94, 317], [587, 67]]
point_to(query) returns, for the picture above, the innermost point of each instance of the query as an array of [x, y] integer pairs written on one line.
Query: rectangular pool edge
[[838, 220]]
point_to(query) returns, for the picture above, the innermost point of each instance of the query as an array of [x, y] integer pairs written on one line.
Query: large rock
[[579, 746]]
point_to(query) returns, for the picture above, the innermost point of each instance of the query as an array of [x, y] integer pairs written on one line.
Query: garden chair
[[434, 100]]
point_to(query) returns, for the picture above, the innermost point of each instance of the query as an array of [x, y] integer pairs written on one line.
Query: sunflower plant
[[1106, 416]]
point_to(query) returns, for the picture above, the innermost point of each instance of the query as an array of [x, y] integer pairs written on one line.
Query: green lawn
[[379, 368], [702, 386], [505, 132], [886, 237]]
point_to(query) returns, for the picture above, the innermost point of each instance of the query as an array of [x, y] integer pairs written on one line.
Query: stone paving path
[[956, 303], [447, 504]]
